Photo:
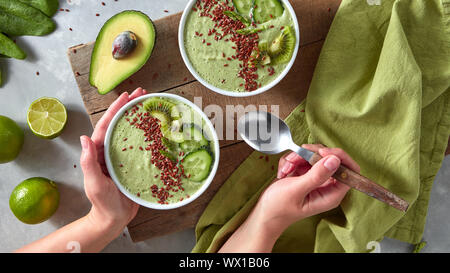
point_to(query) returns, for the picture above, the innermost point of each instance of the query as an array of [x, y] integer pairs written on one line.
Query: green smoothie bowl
[[161, 151], [239, 48]]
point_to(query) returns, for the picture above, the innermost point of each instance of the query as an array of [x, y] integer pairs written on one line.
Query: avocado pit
[[124, 44]]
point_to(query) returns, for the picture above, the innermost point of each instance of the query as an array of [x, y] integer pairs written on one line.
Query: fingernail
[[332, 163], [84, 143]]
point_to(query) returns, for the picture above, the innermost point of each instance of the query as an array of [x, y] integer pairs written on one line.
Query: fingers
[[288, 163], [100, 129], [137, 93], [291, 162], [318, 174], [325, 197], [88, 161], [345, 158], [313, 147]]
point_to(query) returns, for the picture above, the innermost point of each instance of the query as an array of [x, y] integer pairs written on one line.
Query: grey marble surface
[[56, 159]]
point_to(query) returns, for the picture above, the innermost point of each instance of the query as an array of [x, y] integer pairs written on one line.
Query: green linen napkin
[[381, 92]]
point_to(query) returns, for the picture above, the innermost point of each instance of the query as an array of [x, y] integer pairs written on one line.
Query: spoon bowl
[[269, 134]]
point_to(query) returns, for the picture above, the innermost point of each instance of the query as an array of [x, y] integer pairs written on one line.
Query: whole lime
[[11, 139], [34, 200]]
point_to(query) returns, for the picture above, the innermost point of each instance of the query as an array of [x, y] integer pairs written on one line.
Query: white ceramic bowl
[[227, 92], [133, 197]]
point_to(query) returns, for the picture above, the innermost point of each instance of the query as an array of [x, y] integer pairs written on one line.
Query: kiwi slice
[[260, 56], [162, 109], [282, 47]]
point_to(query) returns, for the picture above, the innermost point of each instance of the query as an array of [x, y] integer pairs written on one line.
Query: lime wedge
[[47, 117]]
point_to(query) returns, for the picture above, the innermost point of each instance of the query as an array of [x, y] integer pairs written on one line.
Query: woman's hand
[[110, 208], [111, 211], [300, 192]]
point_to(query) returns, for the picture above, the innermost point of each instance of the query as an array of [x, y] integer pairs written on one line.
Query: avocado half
[[105, 71]]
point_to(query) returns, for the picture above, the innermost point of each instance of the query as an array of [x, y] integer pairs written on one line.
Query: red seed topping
[[171, 172], [225, 27]]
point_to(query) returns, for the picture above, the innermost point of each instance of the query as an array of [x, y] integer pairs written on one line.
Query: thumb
[[88, 161], [319, 173]]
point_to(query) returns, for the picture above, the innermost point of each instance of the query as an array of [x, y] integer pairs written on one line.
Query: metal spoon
[[268, 134]]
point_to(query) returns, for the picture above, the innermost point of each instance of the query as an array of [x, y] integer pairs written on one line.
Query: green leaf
[[249, 30], [17, 18], [11, 49], [48, 7], [169, 155], [233, 15]]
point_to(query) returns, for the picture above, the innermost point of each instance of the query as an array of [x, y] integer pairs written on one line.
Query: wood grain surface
[[166, 72]]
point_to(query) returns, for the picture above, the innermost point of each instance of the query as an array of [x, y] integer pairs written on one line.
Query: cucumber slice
[[266, 10], [197, 165], [243, 6]]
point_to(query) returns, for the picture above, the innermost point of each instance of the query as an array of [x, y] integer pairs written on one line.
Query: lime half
[[47, 117]]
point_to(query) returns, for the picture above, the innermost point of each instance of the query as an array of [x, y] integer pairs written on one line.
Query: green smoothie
[[221, 55], [154, 155]]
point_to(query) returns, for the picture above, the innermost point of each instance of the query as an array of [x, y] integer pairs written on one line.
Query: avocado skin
[[97, 45], [17, 18]]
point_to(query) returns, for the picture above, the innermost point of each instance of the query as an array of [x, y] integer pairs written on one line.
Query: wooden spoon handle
[[365, 185]]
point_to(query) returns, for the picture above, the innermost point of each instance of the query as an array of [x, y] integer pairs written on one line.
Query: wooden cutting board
[[166, 72]]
